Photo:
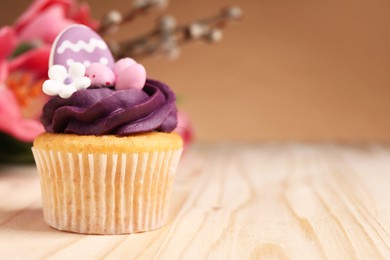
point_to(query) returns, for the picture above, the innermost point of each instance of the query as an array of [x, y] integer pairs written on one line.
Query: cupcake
[[108, 157]]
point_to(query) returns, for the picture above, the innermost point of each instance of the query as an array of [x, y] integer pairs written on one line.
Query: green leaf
[[22, 48]]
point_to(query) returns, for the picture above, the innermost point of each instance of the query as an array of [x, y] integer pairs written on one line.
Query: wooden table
[[299, 201]]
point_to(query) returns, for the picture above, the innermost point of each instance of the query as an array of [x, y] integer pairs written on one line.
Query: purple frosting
[[100, 111]]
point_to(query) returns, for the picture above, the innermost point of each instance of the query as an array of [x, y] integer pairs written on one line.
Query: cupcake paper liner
[[106, 193]]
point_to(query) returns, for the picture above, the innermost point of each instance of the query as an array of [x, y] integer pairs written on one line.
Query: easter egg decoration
[[79, 43], [129, 74]]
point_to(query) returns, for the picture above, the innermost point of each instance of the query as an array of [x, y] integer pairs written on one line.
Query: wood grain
[[265, 201]]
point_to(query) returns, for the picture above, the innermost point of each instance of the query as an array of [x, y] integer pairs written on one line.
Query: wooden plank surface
[[268, 201]]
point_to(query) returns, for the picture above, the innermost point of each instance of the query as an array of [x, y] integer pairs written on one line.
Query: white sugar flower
[[64, 83]]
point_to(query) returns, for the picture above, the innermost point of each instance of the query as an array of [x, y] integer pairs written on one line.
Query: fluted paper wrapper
[[106, 193]]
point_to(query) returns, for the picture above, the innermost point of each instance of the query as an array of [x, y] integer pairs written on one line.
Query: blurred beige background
[[291, 70]]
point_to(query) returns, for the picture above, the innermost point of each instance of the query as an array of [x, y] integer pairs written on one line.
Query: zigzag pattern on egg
[[82, 45]]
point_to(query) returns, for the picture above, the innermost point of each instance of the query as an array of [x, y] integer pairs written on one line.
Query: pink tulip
[[11, 120], [54, 16], [21, 99], [184, 129]]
